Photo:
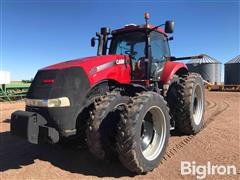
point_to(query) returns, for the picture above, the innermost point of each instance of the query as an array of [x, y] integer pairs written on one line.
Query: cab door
[[160, 52]]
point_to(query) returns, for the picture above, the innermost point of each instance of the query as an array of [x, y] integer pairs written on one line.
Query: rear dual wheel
[[136, 130], [143, 132], [186, 99]]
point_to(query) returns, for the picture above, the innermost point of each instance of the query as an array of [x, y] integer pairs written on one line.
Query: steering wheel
[[131, 53]]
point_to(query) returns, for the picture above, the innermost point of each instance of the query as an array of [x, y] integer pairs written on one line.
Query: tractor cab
[[145, 45], [134, 44]]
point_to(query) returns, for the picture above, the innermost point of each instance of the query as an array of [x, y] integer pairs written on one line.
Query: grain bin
[[208, 67], [232, 71]]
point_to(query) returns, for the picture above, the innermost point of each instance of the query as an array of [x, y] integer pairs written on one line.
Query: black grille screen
[[72, 83], [38, 89]]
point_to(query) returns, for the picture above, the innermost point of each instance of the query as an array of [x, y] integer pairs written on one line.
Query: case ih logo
[[107, 65], [120, 61]]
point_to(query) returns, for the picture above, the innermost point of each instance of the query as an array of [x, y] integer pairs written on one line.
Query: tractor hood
[[98, 68], [86, 63]]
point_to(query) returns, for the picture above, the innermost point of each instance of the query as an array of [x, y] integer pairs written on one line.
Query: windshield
[[132, 43]]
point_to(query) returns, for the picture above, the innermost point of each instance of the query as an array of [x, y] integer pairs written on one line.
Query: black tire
[[78, 140], [102, 124], [186, 99], [132, 139]]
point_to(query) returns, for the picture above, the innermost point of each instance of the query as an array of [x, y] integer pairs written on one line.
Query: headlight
[[57, 102]]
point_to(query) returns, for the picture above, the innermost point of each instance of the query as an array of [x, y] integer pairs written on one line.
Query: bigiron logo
[[201, 171]]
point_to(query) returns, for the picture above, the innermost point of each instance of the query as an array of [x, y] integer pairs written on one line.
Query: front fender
[[171, 68]]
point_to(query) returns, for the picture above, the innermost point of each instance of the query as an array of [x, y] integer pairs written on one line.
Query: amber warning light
[[146, 15]]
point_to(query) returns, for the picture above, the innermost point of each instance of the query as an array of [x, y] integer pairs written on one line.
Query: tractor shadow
[[176, 133], [16, 153]]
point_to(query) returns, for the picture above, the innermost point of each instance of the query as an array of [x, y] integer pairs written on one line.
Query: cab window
[[159, 45], [131, 43]]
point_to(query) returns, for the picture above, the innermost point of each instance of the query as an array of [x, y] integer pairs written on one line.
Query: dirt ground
[[218, 143]]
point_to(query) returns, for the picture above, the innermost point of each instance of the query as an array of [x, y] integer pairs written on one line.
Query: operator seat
[[139, 69]]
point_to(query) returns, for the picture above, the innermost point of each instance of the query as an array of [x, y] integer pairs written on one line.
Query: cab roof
[[133, 27]]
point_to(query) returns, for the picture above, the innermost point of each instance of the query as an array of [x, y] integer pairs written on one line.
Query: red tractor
[[122, 102]]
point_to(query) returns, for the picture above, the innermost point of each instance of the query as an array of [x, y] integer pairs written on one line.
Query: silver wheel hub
[[197, 105], [153, 133]]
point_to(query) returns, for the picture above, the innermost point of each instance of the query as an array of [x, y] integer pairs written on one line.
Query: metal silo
[[208, 67], [232, 71]]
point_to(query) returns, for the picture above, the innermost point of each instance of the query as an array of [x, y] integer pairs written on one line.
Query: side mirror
[[169, 26], [93, 41]]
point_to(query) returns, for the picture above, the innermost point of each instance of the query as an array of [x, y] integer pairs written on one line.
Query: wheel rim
[[153, 133], [197, 105], [147, 131]]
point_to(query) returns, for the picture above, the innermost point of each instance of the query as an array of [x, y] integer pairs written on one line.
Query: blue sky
[[39, 33]]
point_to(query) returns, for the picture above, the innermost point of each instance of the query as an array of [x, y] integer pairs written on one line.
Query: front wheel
[[143, 132], [101, 128]]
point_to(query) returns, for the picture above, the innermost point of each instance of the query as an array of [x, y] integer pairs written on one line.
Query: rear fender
[[171, 68]]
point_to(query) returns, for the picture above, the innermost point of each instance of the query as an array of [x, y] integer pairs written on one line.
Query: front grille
[[38, 90]]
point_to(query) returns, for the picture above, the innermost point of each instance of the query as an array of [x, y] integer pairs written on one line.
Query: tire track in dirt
[[216, 113], [210, 105], [185, 141]]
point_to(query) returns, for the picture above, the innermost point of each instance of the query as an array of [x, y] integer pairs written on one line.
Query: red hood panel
[[119, 73], [86, 63]]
